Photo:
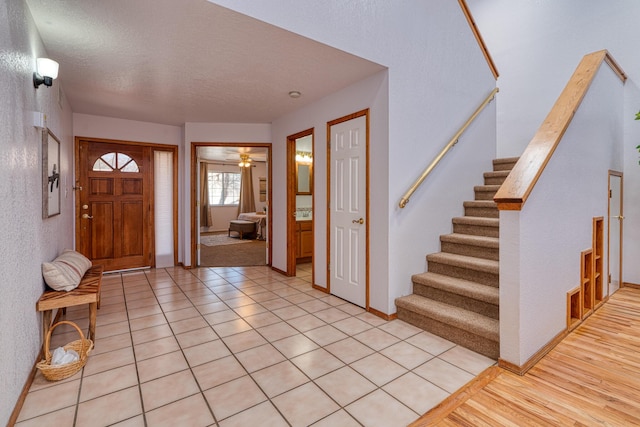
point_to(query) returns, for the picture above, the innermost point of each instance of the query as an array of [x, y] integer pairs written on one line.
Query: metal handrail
[[453, 141]]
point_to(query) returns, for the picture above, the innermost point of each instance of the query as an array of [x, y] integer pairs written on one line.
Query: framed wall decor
[[50, 174]]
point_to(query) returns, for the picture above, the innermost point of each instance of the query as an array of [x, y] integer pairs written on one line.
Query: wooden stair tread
[[467, 288], [458, 317], [463, 261]]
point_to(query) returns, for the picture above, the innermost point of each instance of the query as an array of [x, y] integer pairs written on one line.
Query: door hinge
[[610, 194], [609, 278], [328, 267]]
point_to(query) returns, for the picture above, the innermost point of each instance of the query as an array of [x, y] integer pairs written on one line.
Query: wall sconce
[[245, 161], [47, 71]]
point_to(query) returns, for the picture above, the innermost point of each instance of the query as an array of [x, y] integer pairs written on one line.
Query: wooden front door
[[113, 225]]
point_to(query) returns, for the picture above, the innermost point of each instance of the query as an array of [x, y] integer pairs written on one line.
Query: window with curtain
[[224, 188]]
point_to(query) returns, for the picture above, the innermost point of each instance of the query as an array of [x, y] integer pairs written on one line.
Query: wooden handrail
[[445, 150], [476, 33], [516, 188]]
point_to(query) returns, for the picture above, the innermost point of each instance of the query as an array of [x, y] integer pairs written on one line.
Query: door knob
[[358, 221], [87, 216]]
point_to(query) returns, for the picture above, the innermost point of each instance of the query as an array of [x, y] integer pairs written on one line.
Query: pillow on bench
[[65, 272]]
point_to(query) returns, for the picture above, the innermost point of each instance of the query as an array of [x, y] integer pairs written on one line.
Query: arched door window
[[115, 162]]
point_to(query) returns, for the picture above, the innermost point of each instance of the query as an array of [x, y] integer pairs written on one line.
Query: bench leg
[[46, 325], [93, 313]]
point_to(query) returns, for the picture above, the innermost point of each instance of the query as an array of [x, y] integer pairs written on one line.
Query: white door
[[615, 232], [348, 207]]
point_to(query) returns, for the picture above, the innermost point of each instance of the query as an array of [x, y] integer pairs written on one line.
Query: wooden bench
[[242, 226], [87, 292]]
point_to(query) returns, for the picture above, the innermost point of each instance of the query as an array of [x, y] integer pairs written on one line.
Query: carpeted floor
[[221, 240], [249, 253]]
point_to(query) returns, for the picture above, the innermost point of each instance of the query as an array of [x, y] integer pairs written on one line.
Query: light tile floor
[[242, 347]]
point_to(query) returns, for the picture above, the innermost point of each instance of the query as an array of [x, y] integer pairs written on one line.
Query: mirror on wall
[[303, 179], [304, 166]]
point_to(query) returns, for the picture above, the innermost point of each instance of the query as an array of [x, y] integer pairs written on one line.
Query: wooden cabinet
[[304, 241]]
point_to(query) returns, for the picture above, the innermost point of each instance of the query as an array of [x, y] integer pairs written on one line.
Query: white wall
[[369, 93], [437, 76], [536, 45], [26, 240], [540, 246]]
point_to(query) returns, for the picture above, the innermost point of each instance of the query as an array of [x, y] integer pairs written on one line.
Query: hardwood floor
[[591, 378]]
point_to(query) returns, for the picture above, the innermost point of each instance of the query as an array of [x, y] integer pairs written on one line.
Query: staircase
[[457, 297]]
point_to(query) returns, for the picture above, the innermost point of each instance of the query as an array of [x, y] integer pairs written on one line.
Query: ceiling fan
[[245, 161]]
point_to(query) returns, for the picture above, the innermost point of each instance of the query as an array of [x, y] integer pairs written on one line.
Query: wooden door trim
[[154, 147], [331, 123], [621, 176], [194, 196], [291, 199]]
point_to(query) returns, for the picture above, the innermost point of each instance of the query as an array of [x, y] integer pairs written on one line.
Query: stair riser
[[482, 277], [480, 307], [470, 250], [476, 230], [464, 338], [494, 180], [503, 166], [482, 212], [485, 195]]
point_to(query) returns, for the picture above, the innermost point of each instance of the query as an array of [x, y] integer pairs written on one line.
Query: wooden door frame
[[621, 176], [154, 147], [291, 199], [334, 122], [194, 192]]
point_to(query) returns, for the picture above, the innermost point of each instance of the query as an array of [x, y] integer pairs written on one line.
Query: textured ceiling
[[178, 61]]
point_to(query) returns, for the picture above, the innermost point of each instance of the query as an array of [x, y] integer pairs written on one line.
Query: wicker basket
[[59, 372]]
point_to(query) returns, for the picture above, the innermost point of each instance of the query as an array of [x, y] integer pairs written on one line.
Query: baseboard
[[451, 403], [320, 288], [277, 270], [382, 315], [27, 385], [521, 370], [630, 285]]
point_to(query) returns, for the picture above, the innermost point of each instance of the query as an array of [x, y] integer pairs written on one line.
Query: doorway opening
[[300, 204], [230, 199]]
